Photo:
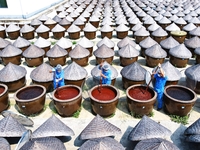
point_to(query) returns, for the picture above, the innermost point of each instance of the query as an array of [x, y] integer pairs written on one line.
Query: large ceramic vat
[[104, 99], [30, 99], [4, 100], [140, 99], [67, 99], [179, 100]]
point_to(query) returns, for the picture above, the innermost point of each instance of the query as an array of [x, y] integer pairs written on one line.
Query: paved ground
[[121, 119]]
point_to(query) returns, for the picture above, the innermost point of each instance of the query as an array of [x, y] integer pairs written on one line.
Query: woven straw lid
[[193, 42], [4, 43], [153, 27], [167, 14], [95, 72], [180, 14], [192, 72], [2, 28], [79, 52], [169, 43], [49, 21], [42, 28], [147, 42], [62, 14], [10, 51], [21, 42], [89, 28], [194, 128], [194, 20], [12, 28], [121, 28], [172, 27], [173, 18], [52, 127], [35, 22], [148, 128], [141, 14], [58, 28], [134, 72], [158, 18], [180, 51], [57, 19], [106, 28], [197, 51], [136, 27], [126, 41], [150, 20], [4, 145], [26, 28], [109, 43], [172, 73], [41, 73], [64, 43], [69, 18], [12, 72], [47, 143], [98, 128], [33, 52], [64, 21], [134, 21], [128, 51], [159, 32], [164, 20], [154, 14], [180, 21], [94, 18], [74, 72], [43, 17], [104, 52], [189, 27], [9, 127], [79, 21], [193, 138], [73, 28], [56, 51], [195, 32], [41, 42], [155, 144], [142, 32], [187, 17], [104, 143], [156, 51], [85, 42]]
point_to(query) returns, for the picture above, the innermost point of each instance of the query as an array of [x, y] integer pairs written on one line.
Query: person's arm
[[61, 76]]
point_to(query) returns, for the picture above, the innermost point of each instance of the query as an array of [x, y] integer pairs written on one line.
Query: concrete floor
[[122, 117]]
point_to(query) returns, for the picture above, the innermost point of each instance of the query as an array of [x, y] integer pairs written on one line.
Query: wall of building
[[23, 9]]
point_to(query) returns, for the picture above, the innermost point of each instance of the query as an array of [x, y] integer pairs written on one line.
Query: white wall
[[23, 9]]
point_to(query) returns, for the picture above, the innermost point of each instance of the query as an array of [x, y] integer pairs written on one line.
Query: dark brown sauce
[[30, 93], [66, 93], [180, 94], [2, 90], [140, 93], [104, 94]]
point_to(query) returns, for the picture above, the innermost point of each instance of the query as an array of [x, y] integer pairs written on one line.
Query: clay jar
[[104, 99], [4, 100], [140, 99], [30, 99], [179, 100], [67, 99], [179, 35]]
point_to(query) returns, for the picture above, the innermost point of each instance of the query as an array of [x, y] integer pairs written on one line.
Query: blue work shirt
[[160, 82], [106, 80], [58, 75]]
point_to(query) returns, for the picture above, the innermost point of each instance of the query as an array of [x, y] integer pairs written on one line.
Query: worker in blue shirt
[[58, 77], [105, 73], [159, 85]]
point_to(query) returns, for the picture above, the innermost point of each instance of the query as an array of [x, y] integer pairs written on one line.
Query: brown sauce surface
[[103, 94], [140, 93], [2, 90], [67, 93], [180, 94], [30, 93]]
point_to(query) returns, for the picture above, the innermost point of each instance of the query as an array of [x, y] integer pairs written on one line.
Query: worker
[[58, 77], [159, 85], [105, 73]]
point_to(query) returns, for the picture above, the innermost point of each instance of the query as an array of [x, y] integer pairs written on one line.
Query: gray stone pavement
[[122, 117]]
